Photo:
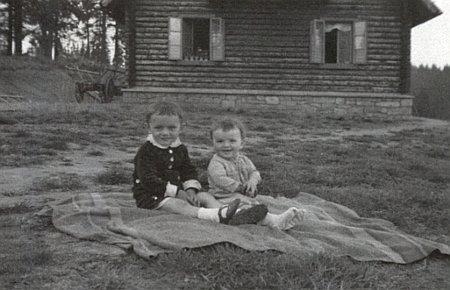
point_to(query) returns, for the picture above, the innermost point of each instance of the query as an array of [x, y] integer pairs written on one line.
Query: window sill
[[338, 65], [196, 62]]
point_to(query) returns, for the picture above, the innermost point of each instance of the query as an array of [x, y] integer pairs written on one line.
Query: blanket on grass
[[328, 228]]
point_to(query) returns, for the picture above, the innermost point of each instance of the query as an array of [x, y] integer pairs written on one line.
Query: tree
[[49, 18], [14, 35], [119, 51], [431, 89], [52, 25], [18, 24], [84, 13], [10, 28]]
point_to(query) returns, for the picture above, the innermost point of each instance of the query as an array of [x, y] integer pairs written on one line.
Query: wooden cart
[[99, 86]]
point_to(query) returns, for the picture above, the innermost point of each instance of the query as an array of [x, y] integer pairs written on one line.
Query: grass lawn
[[57, 149]]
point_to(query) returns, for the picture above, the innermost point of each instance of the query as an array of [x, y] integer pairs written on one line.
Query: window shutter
[[360, 42], [175, 38], [317, 46], [217, 39]]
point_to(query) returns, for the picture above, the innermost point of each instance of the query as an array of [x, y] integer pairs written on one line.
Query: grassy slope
[[38, 81], [403, 177]]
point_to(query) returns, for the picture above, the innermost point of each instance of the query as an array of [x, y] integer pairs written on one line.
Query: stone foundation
[[305, 103]]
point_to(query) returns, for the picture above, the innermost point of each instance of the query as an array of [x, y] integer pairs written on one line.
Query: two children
[[165, 179]]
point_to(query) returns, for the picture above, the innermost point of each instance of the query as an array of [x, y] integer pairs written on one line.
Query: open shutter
[[175, 38], [217, 39], [360, 42], [317, 48]]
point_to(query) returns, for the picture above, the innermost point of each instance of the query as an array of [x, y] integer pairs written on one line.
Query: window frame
[[216, 39], [359, 42]]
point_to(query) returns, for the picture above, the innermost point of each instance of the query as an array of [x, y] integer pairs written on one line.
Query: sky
[[430, 41]]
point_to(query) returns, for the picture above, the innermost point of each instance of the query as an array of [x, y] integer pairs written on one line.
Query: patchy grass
[[402, 176], [95, 153], [58, 182], [115, 176], [17, 208], [225, 266]]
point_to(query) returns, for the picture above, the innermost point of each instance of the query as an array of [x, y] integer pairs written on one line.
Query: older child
[[232, 175], [164, 177]]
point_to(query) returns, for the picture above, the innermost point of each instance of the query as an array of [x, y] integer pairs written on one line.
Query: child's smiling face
[[165, 128], [227, 144]]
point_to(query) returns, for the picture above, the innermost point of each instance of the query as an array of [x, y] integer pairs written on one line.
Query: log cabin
[[341, 57]]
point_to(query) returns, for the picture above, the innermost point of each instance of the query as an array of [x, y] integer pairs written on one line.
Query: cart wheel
[[78, 94], [108, 91]]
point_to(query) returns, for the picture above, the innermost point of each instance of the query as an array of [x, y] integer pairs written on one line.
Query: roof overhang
[[423, 10]]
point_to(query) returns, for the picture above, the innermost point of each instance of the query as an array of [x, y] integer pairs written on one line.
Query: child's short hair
[[228, 124], [164, 108]]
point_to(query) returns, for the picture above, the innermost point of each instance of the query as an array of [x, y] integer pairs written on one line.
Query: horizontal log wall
[[267, 46]]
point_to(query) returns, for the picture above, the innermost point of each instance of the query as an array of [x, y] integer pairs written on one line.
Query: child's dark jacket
[[159, 172]]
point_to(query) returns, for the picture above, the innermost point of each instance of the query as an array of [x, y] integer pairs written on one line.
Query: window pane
[[196, 38], [331, 48], [345, 47], [201, 35], [188, 44], [338, 42]]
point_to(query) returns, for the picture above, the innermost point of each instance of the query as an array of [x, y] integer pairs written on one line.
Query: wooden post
[[132, 44], [405, 61]]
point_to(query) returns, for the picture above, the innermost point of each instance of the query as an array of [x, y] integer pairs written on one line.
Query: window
[[338, 42], [196, 39]]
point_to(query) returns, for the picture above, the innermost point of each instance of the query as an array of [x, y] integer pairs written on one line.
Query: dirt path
[[17, 183]]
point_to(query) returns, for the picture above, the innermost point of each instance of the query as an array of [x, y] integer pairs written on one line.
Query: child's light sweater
[[225, 176]]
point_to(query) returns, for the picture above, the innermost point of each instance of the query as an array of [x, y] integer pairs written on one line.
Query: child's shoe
[[251, 215], [231, 208]]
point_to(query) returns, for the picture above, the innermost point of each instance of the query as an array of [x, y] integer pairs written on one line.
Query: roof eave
[[423, 11]]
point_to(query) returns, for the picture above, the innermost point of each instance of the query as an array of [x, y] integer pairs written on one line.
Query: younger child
[[164, 177], [232, 175]]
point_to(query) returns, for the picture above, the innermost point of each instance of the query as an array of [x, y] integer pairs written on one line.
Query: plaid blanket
[[328, 228]]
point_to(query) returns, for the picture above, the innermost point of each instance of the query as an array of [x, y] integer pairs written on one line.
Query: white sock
[[287, 220], [211, 214]]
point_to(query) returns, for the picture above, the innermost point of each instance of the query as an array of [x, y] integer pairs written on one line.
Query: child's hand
[[250, 187], [193, 200], [190, 196]]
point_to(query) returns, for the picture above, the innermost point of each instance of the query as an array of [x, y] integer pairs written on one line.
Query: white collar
[[174, 144]]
